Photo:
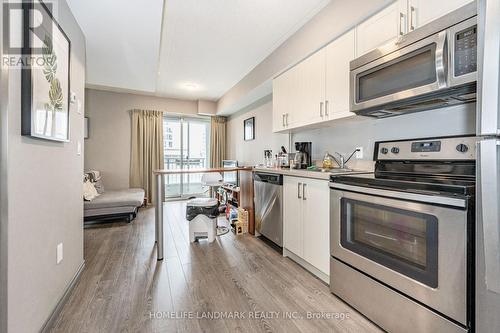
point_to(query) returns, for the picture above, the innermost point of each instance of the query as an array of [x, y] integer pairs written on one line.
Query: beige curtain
[[217, 141], [147, 149]]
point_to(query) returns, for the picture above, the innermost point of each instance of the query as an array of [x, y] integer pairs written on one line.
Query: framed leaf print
[[45, 81]]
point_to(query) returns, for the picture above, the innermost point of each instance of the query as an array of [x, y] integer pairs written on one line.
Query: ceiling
[[123, 41], [190, 49]]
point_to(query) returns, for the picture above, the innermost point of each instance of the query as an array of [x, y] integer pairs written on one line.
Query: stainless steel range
[[401, 238]]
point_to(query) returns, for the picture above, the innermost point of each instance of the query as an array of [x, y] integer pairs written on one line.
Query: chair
[[212, 180], [202, 213]]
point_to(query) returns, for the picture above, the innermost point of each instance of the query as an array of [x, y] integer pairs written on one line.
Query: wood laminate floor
[[240, 279]]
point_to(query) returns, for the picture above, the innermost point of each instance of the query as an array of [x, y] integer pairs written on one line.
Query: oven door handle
[[488, 210], [431, 199]]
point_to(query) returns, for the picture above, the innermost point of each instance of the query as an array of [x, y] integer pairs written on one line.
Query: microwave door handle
[[441, 60], [488, 196]]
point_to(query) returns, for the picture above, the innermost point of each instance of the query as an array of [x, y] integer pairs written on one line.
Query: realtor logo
[[27, 25]]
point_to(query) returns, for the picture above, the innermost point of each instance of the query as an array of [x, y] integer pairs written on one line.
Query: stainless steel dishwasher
[[268, 199]]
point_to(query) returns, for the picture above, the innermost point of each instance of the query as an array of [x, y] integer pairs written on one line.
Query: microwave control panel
[[465, 51]]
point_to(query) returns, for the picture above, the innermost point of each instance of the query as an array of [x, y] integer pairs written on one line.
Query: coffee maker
[[302, 158]]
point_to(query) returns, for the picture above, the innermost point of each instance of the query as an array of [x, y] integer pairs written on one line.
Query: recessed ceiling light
[[191, 86]]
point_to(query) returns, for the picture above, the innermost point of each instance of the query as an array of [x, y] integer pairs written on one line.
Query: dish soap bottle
[[328, 161]]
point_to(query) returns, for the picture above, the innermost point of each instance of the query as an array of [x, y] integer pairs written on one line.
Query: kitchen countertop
[[307, 173], [205, 170]]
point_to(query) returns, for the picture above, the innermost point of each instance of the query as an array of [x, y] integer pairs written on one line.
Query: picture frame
[[45, 84], [249, 129]]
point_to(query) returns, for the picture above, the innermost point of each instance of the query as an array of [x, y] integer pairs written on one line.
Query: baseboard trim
[[57, 310], [313, 270]]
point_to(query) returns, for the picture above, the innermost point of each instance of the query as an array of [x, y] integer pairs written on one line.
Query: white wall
[[345, 136], [108, 146], [44, 202], [3, 188], [252, 152]]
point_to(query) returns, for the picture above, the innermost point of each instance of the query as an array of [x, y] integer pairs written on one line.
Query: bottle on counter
[[328, 161], [268, 157]]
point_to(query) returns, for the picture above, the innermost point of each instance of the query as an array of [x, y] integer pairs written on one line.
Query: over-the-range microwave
[[431, 67]]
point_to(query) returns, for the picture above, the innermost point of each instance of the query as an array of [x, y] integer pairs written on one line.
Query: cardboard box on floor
[[241, 226]]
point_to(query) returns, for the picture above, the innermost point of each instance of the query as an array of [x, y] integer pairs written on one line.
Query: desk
[[159, 196]]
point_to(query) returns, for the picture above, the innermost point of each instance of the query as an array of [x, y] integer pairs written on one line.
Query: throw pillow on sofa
[[95, 177], [89, 191], [99, 186]]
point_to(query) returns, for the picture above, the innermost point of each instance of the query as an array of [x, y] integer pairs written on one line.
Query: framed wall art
[[249, 129], [45, 81]]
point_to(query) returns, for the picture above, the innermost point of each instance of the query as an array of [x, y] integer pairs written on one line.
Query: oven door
[[414, 70], [417, 248]]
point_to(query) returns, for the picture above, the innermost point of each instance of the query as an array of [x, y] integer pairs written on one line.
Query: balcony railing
[[191, 183]]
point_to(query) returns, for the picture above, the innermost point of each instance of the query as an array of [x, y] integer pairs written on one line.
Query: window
[[186, 146]]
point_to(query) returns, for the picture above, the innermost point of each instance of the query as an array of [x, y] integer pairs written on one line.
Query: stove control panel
[[426, 146], [453, 148]]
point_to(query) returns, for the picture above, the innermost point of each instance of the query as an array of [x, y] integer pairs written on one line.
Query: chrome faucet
[[342, 161]]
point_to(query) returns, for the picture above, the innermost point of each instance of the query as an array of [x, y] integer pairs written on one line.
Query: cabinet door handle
[[283, 120], [298, 190], [412, 14], [321, 109], [286, 121], [326, 108], [401, 23], [304, 192]]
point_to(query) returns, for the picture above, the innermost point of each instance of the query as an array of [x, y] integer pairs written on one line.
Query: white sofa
[[113, 204]]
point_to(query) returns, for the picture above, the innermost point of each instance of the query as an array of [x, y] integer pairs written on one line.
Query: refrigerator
[[487, 296]]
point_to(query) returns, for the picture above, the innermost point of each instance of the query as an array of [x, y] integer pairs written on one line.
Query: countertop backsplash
[[346, 135]]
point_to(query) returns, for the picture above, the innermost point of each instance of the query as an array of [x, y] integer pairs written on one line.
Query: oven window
[[404, 241], [412, 70]]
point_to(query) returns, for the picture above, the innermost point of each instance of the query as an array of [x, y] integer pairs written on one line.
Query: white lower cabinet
[[306, 220]]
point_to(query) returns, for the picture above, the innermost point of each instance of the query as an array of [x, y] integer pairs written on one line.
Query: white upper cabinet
[[400, 18], [338, 56], [310, 90], [383, 27], [281, 101], [317, 89], [421, 12], [299, 94]]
